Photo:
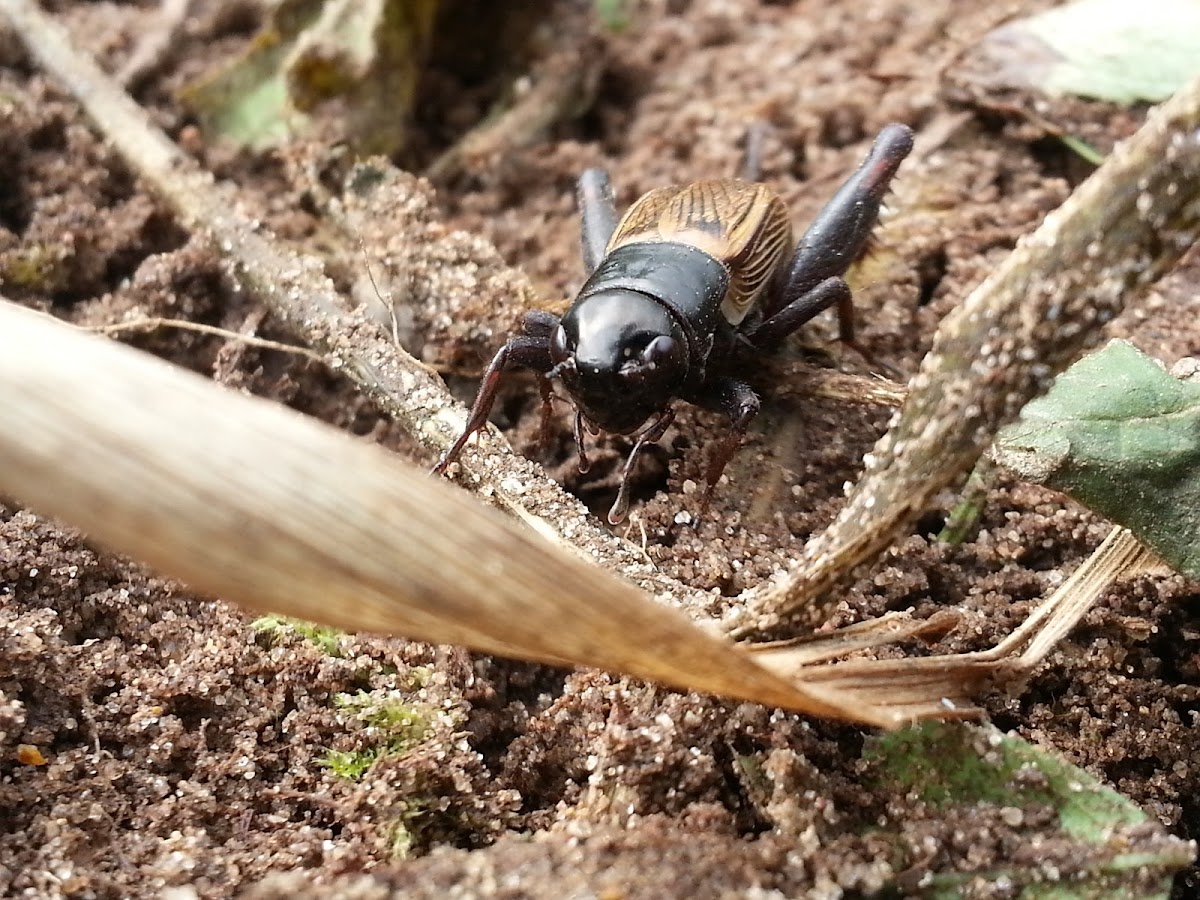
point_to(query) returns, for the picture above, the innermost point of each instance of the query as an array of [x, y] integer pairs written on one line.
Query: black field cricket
[[690, 275]]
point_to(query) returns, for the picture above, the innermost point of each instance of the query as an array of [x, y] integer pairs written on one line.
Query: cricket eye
[[658, 351], [559, 353], [651, 361]]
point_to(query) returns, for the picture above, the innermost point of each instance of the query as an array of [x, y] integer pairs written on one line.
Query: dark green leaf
[[1121, 436]]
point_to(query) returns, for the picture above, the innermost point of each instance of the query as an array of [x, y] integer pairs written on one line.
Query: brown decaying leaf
[[242, 498]]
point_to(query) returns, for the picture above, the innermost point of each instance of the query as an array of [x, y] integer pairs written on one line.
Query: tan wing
[[743, 225]]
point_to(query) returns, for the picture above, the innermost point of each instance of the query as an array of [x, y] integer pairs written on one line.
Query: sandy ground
[[180, 747]]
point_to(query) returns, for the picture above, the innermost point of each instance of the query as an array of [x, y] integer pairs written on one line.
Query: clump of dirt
[[183, 746]]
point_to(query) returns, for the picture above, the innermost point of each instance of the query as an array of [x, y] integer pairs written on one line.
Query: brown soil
[[183, 748]]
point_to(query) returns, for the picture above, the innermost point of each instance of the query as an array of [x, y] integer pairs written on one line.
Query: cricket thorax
[[743, 226]]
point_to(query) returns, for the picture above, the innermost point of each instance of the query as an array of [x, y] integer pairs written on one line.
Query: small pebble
[[1012, 816]]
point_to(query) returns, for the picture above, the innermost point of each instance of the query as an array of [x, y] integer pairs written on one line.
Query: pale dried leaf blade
[[1121, 555], [244, 499], [914, 688]]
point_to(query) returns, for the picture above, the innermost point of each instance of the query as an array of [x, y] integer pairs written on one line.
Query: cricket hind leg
[[772, 332], [530, 350], [839, 234]]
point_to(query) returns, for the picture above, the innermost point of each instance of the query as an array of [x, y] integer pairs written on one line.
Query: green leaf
[[1104, 49], [1121, 436], [366, 54], [1114, 849]]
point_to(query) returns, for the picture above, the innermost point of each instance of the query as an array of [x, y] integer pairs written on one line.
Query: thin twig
[[151, 323], [154, 47], [1120, 231], [560, 87], [389, 301]]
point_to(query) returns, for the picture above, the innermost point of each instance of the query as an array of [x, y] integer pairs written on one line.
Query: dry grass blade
[[154, 47], [244, 499], [943, 686], [248, 501], [1127, 225], [803, 380], [887, 629], [1121, 555]]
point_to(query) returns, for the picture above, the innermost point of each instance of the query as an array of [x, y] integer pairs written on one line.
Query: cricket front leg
[[737, 400], [529, 350]]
